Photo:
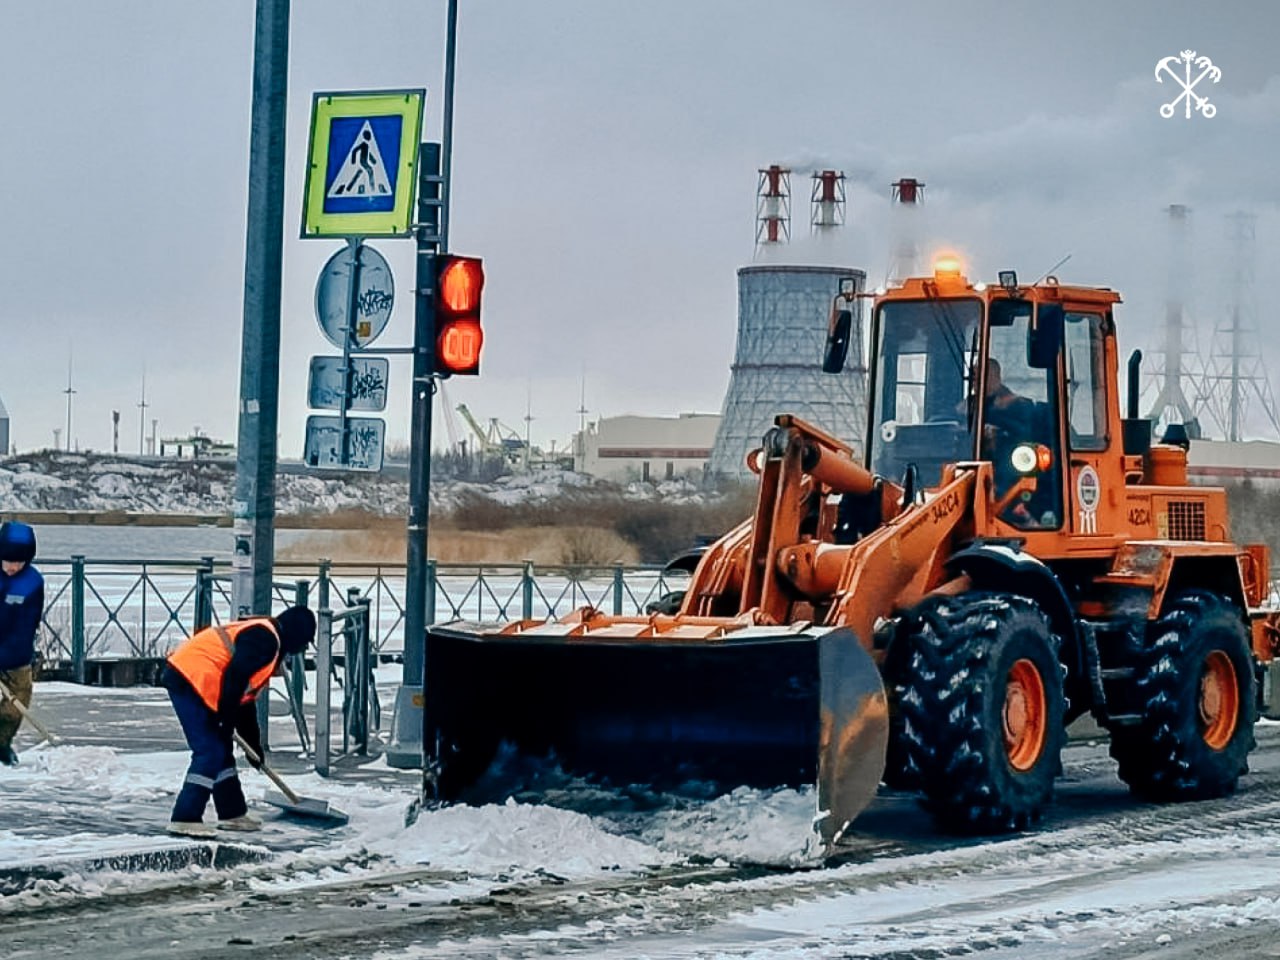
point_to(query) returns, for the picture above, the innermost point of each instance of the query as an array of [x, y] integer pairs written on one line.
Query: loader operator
[[1009, 420], [21, 607], [213, 679]]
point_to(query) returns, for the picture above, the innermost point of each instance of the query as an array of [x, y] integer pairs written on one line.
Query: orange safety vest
[[203, 660]]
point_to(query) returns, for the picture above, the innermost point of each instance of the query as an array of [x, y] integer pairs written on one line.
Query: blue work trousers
[[213, 766]]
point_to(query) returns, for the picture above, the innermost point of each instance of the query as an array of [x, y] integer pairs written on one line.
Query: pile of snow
[[99, 772], [514, 839]]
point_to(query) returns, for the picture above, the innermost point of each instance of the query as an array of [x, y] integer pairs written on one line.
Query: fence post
[[140, 648], [352, 709], [526, 592], [364, 669], [431, 592], [296, 682], [322, 583], [618, 590], [202, 614], [78, 652], [372, 703], [324, 660]]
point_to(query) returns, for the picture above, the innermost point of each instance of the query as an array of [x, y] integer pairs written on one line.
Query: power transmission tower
[[1238, 388], [142, 416], [70, 392]]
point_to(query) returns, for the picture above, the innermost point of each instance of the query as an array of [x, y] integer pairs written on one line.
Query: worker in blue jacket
[[21, 606]]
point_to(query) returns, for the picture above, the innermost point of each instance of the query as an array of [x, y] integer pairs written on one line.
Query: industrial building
[[628, 448], [1223, 463]]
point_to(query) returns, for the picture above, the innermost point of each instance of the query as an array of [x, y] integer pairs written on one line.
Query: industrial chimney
[[904, 226], [773, 208], [826, 201]]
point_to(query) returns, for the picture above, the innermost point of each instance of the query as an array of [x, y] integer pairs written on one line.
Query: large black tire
[[1193, 741], [982, 710], [900, 771]]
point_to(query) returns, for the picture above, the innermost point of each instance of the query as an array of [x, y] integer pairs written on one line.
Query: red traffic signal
[[459, 336]]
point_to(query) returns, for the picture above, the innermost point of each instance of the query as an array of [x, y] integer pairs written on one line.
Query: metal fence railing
[[360, 707], [98, 609]]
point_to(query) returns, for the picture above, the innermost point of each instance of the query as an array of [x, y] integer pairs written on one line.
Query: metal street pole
[[434, 166], [253, 509], [446, 140], [405, 749], [428, 237]]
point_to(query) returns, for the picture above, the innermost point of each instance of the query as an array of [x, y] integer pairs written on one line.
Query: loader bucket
[[761, 709]]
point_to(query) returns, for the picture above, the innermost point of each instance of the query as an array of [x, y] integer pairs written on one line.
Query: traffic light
[[459, 337]]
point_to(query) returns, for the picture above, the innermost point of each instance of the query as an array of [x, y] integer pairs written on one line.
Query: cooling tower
[[783, 313]]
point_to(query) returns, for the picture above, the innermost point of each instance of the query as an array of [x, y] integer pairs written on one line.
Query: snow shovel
[[310, 807], [7, 694]]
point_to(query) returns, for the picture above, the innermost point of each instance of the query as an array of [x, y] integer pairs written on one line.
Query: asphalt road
[[1102, 876]]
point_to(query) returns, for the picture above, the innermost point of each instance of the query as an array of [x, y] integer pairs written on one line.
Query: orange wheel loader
[[1008, 553]]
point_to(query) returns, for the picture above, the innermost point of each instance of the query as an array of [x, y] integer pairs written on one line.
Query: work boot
[[8, 757], [245, 823], [191, 828]]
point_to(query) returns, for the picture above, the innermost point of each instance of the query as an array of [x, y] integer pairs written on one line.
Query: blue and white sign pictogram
[[362, 163], [358, 177]]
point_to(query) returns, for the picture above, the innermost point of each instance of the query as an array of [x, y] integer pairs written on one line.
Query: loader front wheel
[[982, 707], [1195, 684]]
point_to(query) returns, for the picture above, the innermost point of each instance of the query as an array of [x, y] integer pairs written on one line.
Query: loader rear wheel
[[982, 707], [1195, 684]]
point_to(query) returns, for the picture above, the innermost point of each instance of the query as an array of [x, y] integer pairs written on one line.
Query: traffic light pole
[[424, 329], [405, 749]]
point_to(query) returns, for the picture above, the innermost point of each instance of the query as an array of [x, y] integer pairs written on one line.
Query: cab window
[[1019, 409], [1086, 383]]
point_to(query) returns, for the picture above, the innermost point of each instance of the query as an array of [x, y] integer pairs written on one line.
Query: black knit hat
[[297, 626]]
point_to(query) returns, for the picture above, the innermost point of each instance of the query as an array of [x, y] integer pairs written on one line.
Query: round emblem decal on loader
[[1088, 489]]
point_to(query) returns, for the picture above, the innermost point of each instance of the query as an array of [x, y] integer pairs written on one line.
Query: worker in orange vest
[[213, 678]]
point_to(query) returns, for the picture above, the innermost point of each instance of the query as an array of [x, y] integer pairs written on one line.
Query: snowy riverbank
[[100, 483]]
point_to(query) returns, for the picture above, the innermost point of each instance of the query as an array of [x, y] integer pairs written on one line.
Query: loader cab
[[920, 413], [958, 378]]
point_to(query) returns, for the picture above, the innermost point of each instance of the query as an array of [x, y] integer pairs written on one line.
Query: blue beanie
[[17, 542]]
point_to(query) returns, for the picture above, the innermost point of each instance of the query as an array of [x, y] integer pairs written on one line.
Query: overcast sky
[[605, 166]]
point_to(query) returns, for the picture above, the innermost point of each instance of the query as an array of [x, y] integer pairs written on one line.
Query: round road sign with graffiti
[[375, 295]]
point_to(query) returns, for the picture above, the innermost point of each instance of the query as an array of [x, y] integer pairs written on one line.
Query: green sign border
[[362, 103]]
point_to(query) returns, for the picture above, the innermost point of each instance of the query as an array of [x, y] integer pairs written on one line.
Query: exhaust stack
[[773, 208]]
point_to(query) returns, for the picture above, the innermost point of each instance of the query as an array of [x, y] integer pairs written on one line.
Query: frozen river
[[60, 542]]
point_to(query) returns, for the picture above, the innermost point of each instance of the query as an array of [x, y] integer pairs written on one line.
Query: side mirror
[[1045, 337], [838, 332]]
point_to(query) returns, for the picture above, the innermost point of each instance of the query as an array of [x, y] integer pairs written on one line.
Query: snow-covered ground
[[1103, 876]]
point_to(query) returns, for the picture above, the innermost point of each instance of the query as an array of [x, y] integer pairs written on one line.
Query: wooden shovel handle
[[7, 694], [262, 765]]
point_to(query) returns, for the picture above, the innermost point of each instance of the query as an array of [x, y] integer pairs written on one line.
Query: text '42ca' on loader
[[1010, 554]]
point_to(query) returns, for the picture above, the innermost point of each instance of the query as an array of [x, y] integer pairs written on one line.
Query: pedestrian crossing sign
[[362, 163]]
